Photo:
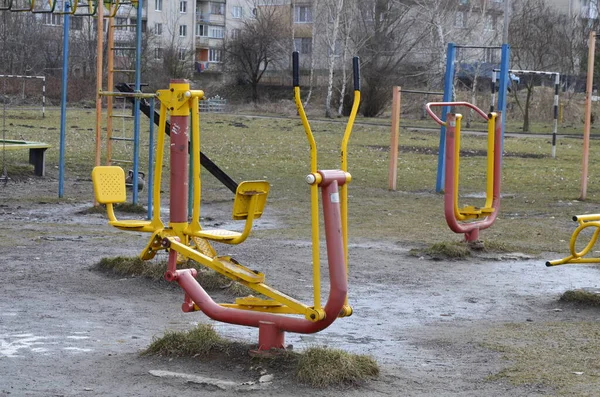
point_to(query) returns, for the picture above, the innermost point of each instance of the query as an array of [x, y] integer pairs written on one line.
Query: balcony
[[213, 19], [208, 42]]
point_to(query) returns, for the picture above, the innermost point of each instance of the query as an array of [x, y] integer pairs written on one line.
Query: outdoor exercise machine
[[395, 130], [449, 96], [469, 220], [181, 237], [584, 221], [555, 76]]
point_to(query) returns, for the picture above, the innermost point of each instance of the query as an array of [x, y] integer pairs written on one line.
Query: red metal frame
[[469, 229]]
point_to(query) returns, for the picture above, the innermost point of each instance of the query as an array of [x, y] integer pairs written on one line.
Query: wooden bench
[[37, 153]]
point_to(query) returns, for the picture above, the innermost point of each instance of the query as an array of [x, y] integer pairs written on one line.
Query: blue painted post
[[503, 86], [63, 102], [150, 179], [136, 102], [448, 88]]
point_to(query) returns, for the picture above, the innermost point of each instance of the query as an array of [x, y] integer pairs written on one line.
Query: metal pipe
[[63, 103], [588, 114]]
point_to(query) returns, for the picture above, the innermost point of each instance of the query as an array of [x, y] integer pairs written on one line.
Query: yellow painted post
[[110, 66], [394, 135], [588, 114]]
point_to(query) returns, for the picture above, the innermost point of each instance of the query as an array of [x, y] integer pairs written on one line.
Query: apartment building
[[586, 9]]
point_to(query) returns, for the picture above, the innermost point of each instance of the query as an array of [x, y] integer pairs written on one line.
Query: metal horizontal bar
[[123, 71], [421, 92], [124, 48], [529, 72], [127, 94], [121, 161], [120, 138], [123, 116], [478, 46]]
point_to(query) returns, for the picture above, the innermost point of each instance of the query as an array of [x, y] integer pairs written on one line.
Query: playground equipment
[[449, 96], [395, 131], [584, 221], [470, 219], [555, 105], [189, 240]]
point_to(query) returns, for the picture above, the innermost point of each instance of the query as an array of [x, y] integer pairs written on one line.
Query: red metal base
[[270, 336], [472, 235]]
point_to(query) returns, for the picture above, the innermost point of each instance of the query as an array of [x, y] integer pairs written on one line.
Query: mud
[[66, 330]]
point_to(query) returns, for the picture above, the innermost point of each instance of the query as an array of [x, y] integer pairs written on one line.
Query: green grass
[[316, 366], [539, 191], [562, 356]]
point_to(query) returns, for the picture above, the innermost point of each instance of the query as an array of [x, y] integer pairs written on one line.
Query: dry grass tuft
[[322, 366], [448, 250], [134, 266], [582, 296], [198, 342]]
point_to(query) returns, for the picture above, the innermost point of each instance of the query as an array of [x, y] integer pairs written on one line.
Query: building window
[[235, 33], [182, 30], [214, 55], [158, 53], [183, 7], [52, 19], [236, 12], [201, 30], [216, 32], [490, 22], [120, 23], [217, 8], [459, 19], [302, 14], [181, 53], [303, 45], [76, 24], [157, 5], [158, 28]]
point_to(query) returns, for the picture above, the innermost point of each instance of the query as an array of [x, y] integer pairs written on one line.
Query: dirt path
[[66, 330]]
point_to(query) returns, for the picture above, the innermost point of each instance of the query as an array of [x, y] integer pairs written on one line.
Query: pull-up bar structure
[[556, 76]]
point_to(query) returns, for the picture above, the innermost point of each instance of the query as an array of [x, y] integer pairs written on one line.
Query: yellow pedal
[[470, 210], [253, 301], [232, 267]]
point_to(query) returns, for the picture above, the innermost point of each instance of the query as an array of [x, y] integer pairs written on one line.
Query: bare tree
[[385, 33], [533, 32], [261, 42]]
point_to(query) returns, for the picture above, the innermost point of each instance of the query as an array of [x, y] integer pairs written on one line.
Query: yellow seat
[[109, 189], [249, 204]]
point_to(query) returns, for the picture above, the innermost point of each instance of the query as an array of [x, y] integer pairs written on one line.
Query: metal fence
[[214, 104]]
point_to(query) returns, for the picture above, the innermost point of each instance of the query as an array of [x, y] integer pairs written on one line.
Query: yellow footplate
[[231, 266], [472, 210], [253, 301]]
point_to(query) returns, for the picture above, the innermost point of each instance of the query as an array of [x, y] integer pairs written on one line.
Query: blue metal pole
[[136, 102], [503, 86], [63, 103], [150, 179], [448, 88]]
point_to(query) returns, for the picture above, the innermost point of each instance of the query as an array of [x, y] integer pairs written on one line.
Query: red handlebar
[[465, 104]]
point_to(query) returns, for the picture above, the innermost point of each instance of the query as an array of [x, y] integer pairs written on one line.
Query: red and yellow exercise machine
[[470, 219], [187, 239], [584, 221]]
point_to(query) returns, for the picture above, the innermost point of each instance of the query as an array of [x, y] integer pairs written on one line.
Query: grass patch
[[95, 209], [316, 366], [445, 250], [198, 342], [562, 356], [322, 366], [135, 267], [582, 296]]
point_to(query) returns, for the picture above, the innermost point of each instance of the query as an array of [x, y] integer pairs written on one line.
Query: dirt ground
[[67, 330]]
